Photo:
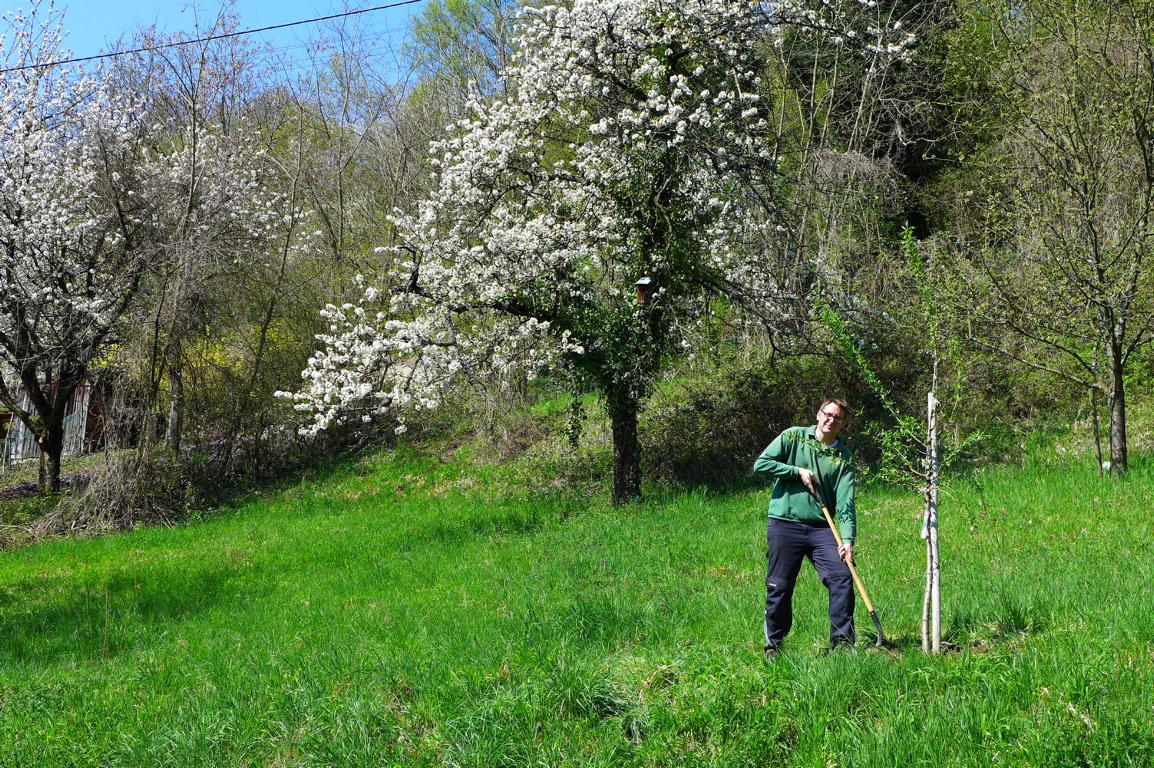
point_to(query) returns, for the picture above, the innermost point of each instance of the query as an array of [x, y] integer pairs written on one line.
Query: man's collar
[[813, 434]]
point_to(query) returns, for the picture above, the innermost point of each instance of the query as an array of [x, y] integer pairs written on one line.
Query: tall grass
[[416, 610]]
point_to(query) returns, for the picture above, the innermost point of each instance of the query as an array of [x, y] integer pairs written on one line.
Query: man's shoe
[[842, 647], [772, 652]]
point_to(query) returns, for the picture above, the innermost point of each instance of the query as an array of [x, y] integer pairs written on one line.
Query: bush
[[707, 429], [124, 492]]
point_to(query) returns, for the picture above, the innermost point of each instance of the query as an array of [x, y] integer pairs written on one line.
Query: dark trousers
[[789, 544]]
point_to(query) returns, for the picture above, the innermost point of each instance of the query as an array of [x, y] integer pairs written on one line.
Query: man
[[804, 461]]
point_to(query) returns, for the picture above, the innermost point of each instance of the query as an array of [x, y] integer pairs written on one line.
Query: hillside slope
[[421, 610]]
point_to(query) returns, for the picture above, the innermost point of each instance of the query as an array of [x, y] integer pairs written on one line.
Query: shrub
[[707, 429]]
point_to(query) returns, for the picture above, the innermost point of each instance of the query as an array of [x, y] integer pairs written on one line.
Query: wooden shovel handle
[[852, 571]]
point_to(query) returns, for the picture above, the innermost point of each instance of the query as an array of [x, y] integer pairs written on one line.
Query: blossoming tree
[[69, 222], [637, 139], [88, 193]]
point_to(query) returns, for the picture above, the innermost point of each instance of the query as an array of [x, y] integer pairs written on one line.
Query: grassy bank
[[414, 610]]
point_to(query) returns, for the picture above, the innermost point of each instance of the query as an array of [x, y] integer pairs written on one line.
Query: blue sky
[[94, 25]]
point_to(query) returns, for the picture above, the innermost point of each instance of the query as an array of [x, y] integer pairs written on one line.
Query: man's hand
[[809, 480], [845, 552]]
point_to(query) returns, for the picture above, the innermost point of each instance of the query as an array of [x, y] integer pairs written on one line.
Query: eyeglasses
[[833, 416]]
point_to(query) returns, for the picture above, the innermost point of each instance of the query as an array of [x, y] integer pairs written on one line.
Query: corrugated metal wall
[[19, 444]]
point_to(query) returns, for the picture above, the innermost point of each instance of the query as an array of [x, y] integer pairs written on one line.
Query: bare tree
[[197, 93], [1060, 279]]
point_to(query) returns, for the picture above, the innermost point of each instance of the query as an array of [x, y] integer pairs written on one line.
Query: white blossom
[[633, 140], [91, 195]]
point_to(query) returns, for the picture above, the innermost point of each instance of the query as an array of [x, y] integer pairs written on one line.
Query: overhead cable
[[207, 38]]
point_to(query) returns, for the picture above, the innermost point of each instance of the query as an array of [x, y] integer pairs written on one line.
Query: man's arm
[[771, 461], [846, 514]]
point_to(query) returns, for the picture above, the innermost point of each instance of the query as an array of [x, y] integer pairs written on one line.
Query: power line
[[208, 38]]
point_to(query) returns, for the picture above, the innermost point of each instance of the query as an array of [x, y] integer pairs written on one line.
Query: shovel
[[852, 570]]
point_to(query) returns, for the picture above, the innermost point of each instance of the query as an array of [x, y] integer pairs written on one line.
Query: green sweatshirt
[[795, 448]]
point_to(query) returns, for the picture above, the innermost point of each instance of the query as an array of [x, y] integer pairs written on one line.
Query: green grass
[[412, 610], [28, 471], [20, 508]]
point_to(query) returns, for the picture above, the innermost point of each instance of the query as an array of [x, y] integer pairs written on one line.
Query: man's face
[[831, 419]]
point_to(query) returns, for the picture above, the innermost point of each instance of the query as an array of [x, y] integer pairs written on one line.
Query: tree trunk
[[43, 471], [623, 412], [1096, 426], [932, 604], [1117, 399], [51, 446], [52, 439], [49, 403], [54, 470], [175, 426]]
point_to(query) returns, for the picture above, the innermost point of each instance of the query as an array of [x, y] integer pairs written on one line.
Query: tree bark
[[1118, 452], [175, 427], [53, 454], [623, 413], [932, 604], [49, 401], [1096, 427], [51, 444]]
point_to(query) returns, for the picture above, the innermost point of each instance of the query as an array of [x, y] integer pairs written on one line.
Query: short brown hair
[[839, 402]]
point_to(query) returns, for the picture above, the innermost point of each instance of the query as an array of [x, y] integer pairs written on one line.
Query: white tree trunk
[[932, 604]]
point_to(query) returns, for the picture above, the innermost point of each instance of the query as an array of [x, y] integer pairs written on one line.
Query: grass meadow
[[420, 610]]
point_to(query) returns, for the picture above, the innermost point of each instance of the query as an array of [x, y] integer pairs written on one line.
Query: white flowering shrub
[[637, 139]]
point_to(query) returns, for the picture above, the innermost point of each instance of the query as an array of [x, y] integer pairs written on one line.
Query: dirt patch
[[24, 490], [19, 491]]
